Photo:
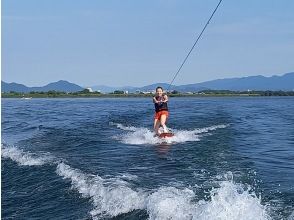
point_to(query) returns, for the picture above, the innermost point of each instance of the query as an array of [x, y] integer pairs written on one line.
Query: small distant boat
[[26, 97]]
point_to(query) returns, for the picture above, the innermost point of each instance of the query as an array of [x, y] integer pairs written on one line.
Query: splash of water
[[232, 201], [170, 203], [139, 136]]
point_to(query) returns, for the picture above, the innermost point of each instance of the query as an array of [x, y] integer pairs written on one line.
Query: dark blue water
[[230, 158]]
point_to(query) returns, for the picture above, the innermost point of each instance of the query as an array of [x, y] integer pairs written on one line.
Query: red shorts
[[159, 114]]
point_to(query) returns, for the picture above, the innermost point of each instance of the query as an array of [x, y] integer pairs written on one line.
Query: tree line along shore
[[86, 93]]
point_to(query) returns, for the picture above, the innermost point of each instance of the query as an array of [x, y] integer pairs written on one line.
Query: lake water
[[230, 158]]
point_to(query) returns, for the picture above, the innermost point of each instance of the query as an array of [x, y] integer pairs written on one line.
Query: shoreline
[[29, 96]]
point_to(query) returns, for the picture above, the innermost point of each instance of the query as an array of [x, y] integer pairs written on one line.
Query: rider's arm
[[165, 98]]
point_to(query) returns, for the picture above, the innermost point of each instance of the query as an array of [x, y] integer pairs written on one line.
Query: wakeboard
[[165, 135]]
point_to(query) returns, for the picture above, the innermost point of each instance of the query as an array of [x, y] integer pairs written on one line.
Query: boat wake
[[114, 196], [141, 135], [25, 158]]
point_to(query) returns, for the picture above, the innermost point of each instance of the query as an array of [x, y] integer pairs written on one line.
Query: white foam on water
[[139, 136], [210, 128], [115, 195], [127, 176], [25, 158], [110, 198], [291, 216], [170, 203], [229, 202], [123, 127]]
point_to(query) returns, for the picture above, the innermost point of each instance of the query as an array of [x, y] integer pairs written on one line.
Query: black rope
[[194, 45]]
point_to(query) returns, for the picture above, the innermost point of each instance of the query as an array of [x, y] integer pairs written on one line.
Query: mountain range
[[60, 85], [284, 82]]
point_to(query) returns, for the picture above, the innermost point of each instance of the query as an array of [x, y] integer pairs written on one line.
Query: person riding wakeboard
[[161, 110]]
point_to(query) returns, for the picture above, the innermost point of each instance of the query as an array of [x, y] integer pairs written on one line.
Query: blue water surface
[[230, 158]]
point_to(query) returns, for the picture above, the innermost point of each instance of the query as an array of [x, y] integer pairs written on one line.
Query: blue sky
[[137, 43]]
